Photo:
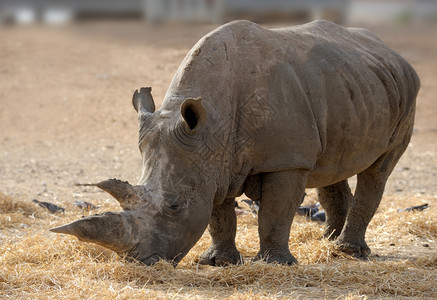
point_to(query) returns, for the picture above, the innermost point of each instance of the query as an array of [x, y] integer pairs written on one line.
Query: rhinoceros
[[268, 113]]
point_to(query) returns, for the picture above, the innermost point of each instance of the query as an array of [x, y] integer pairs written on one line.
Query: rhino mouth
[[132, 232]]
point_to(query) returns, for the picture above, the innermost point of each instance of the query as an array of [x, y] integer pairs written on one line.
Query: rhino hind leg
[[222, 228], [335, 200], [367, 197], [370, 187], [281, 195]]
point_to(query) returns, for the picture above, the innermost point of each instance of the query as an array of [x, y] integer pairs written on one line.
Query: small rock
[[415, 208], [307, 211], [319, 216], [49, 206], [85, 205], [102, 76], [240, 212], [254, 206]]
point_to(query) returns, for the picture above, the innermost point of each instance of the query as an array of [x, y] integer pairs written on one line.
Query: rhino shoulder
[[364, 33], [240, 25], [323, 24]]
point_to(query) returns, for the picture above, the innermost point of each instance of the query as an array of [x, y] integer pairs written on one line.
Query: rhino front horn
[[111, 230], [66, 229], [120, 190]]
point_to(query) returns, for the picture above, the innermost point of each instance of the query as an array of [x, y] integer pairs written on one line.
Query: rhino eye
[[172, 211], [174, 208]]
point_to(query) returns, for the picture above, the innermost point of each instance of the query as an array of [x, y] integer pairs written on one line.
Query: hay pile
[[35, 263]]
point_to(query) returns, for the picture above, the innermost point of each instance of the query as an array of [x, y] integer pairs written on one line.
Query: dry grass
[[35, 263]]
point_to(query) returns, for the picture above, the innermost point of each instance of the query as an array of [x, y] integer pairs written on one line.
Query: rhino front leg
[[335, 200], [280, 198], [222, 227]]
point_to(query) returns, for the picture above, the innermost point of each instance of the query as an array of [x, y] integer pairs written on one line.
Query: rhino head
[[167, 212]]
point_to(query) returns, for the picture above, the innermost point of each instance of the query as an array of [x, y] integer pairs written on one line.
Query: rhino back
[[364, 98], [312, 96]]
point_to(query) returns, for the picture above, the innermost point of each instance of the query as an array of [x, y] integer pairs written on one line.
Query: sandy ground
[[66, 115]]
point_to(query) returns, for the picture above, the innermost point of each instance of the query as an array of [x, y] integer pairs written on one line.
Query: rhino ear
[[143, 101], [194, 114]]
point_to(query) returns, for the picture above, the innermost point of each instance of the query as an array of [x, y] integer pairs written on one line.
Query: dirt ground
[[66, 116]]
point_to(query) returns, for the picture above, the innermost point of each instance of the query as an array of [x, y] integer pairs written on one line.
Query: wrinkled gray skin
[[280, 111]]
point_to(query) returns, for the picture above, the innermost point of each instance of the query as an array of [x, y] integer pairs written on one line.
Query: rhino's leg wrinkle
[[280, 198], [222, 227], [368, 194], [335, 200]]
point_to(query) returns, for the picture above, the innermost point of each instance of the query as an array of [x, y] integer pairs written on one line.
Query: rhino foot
[[280, 258], [360, 251], [215, 257]]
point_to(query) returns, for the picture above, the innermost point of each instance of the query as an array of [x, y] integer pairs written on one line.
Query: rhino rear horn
[[143, 101], [122, 191], [110, 230]]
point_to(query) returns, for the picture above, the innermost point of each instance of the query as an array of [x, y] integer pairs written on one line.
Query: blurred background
[[68, 69], [217, 11]]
